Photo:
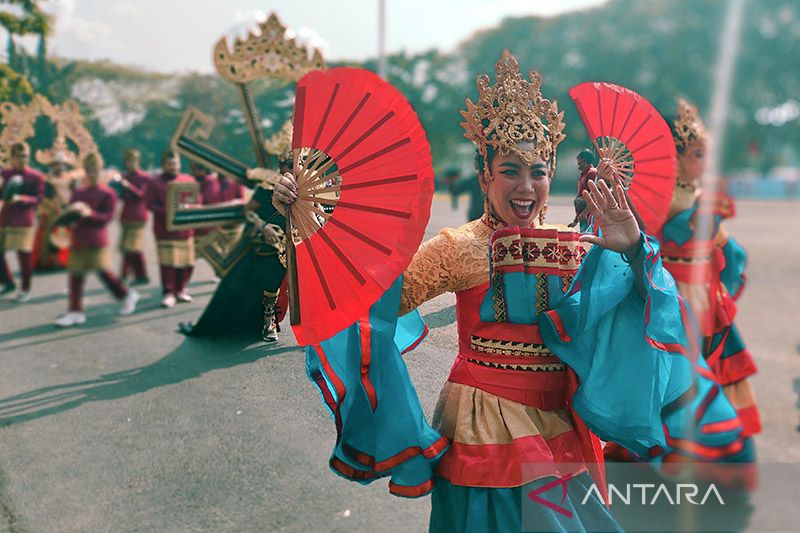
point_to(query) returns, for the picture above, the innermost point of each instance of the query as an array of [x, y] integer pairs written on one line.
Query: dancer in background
[[51, 247], [133, 218], [22, 190], [469, 185], [587, 173], [91, 207], [246, 303], [708, 267], [175, 248]]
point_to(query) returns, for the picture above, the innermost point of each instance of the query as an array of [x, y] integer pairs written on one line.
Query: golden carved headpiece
[[280, 144], [689, 127], [58, 153], [513, 111], [18, 122], [267, 53]]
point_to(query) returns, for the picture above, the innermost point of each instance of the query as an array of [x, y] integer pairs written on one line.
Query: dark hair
[[93, 158], [18, 148], [587, 154], [131, 153], [671, 119], [169, 154], [479, 161]]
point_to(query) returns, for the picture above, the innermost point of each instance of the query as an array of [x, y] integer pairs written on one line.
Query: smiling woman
[[545, 309]]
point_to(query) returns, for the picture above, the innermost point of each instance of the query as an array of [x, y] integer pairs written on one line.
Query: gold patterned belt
[[513, 355]]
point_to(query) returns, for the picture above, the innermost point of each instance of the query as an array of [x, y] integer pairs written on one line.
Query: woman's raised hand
[[620, 231]]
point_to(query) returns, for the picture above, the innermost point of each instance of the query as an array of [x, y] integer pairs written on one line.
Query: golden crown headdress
[[266, 53], [513, 111], [689, 127], [280, 144]]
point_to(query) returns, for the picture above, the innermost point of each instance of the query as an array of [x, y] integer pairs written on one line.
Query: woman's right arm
[[430, 272]]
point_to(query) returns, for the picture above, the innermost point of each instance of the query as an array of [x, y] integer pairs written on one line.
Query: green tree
[[13, 87], [15, 82]]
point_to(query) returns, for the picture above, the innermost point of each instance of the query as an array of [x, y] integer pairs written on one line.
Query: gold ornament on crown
[[689, 126], [513, 111], [280, 144], [269, 53], [18, 125]]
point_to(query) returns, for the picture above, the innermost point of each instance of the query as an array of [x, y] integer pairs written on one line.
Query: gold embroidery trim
[[481, 344], [553, 367], [538, 252], [541, 293]]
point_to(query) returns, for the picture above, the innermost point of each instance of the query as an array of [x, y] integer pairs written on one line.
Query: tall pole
[[723, 82], [720, 102], [382, 38]]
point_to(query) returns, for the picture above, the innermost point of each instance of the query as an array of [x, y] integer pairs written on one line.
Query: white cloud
[[128, 9], [68, 23]]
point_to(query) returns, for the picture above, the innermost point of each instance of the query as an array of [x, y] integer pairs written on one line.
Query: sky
[[178, 35]]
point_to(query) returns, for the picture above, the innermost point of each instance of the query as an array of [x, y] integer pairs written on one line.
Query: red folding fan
[[365, 184], [635, 142]]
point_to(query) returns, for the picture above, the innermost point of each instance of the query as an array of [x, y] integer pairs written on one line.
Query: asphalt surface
[[125, 425]]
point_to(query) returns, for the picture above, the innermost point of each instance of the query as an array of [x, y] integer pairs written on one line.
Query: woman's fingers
[[593, 239], [593, 207], [622, 198], [597, 195], [284, 194], [608, 196], [288, 180]]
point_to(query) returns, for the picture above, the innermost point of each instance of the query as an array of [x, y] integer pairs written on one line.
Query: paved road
[[124, 425]]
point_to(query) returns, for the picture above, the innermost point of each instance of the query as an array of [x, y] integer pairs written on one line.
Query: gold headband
[[512, 111], [689, 127]]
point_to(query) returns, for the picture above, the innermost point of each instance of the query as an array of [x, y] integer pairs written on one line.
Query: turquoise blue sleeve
[[732, 276], [625, 348], [364, 382], [411, 331]]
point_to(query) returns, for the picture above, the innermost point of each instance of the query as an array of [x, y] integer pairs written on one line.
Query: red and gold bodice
[[506, 399]]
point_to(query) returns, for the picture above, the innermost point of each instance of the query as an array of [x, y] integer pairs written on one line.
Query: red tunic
[[134, 207], [209, 189], [156, 199], [583, 181], [92, 231], [22, 214], [230, 190]]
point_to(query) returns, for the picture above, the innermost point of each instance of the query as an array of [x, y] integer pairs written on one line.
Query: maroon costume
[[134, 216], [89, 251], [16, 223], [175, 248], [590, 174]]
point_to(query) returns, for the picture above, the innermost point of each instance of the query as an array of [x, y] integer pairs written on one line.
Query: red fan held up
[[365, 185], [634, 144]]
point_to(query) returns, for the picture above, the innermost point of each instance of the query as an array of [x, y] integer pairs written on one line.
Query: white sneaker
[[129, 304], [72, 318], [168, 301], [23, 297], [184, 297]]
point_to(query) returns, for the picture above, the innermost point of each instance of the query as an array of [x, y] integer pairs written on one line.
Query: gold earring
[[542, 214]]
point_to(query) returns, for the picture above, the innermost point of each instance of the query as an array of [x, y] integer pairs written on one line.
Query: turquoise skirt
[[482, 509]]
